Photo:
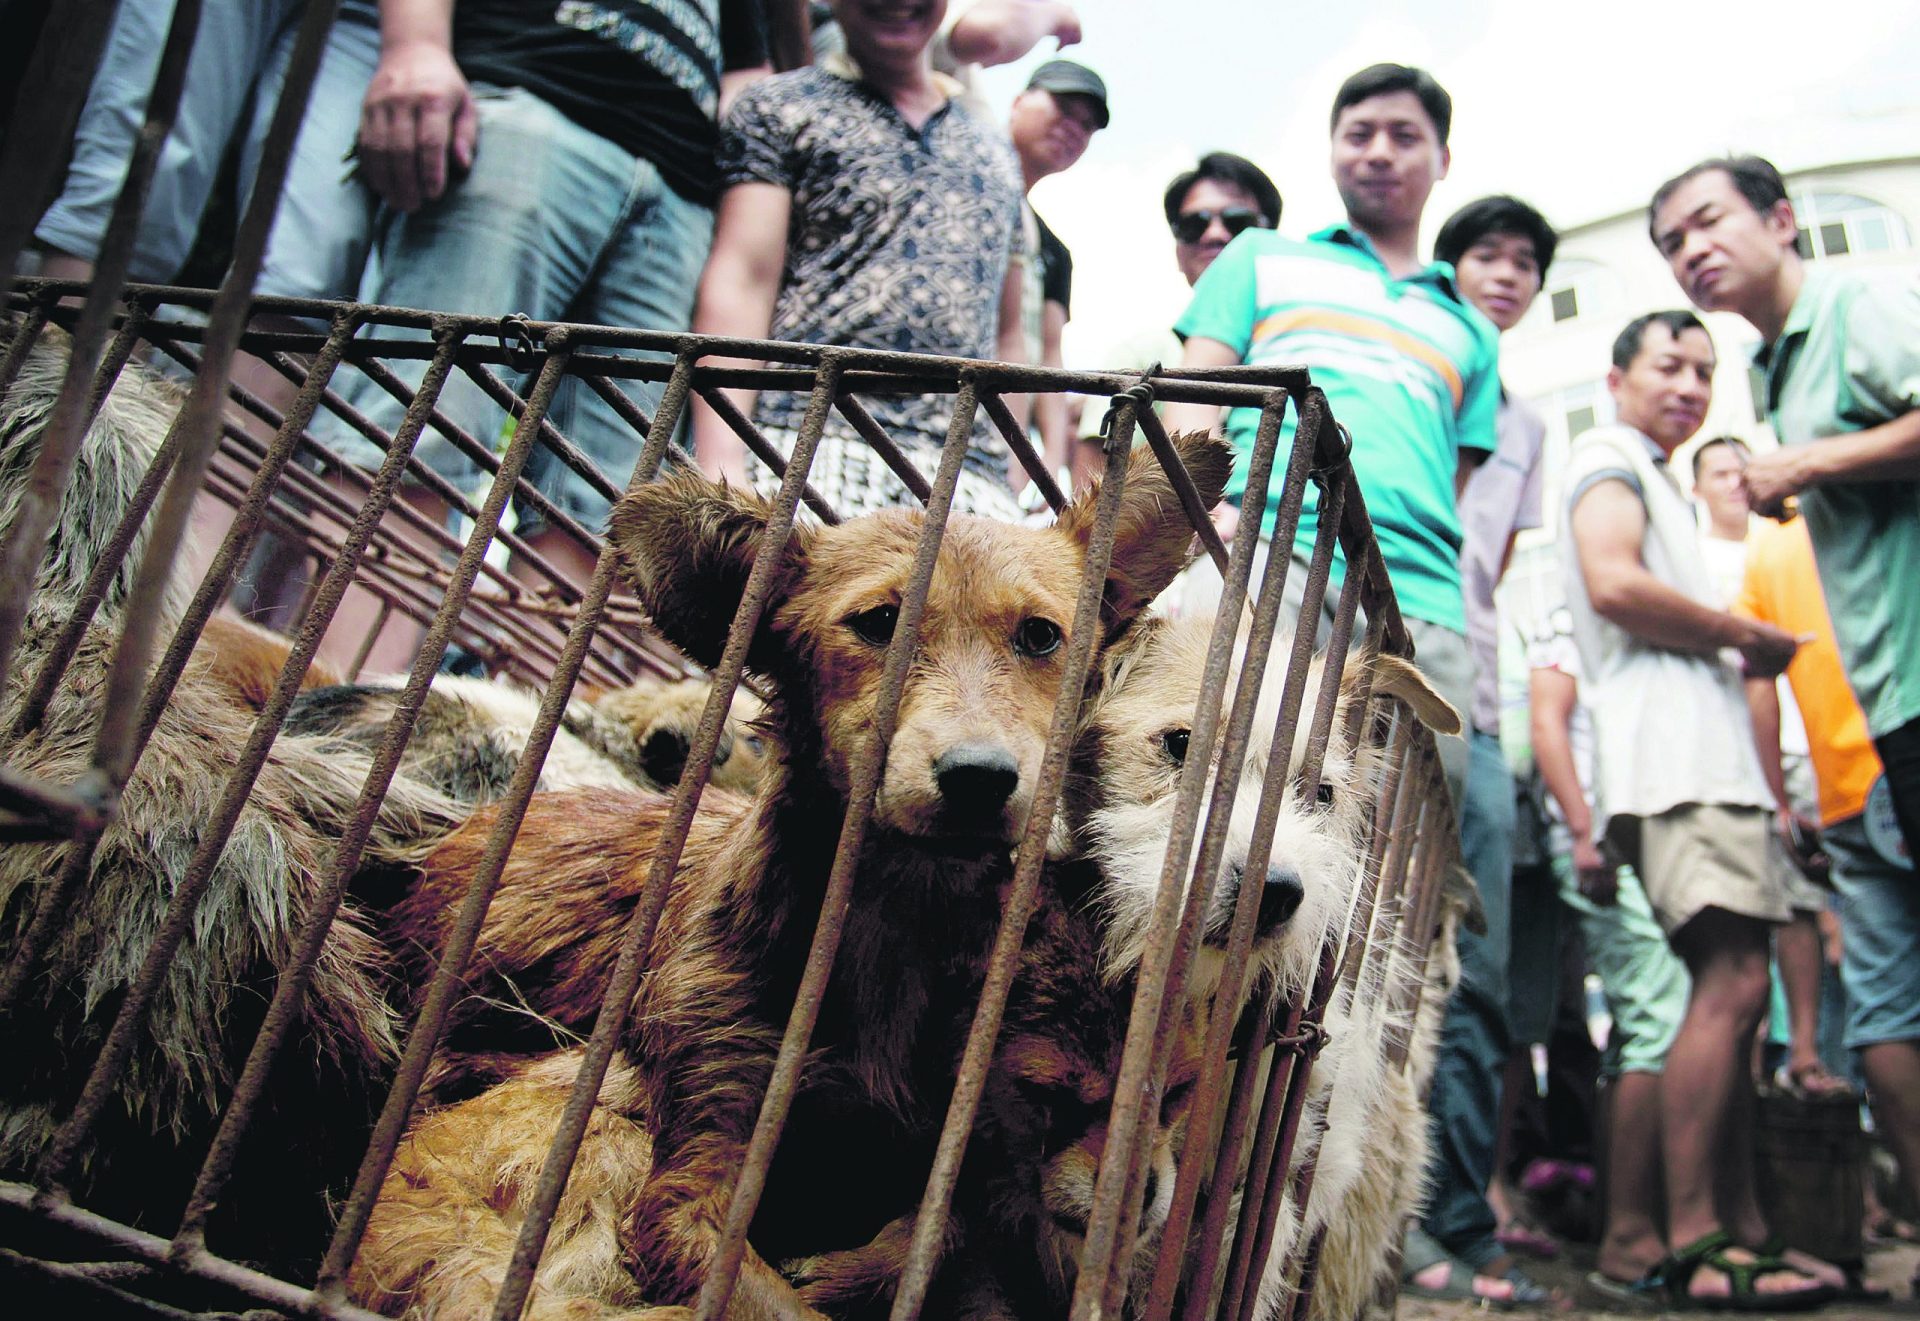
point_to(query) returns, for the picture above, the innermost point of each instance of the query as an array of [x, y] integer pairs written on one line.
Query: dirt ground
[[1890, 1267]]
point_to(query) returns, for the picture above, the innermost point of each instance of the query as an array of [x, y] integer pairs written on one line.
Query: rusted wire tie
[[1310, 1038], [1141, 392], [524, 350]]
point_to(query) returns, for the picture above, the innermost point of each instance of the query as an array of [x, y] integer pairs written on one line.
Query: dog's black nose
[[976, 778], [1280, 897]]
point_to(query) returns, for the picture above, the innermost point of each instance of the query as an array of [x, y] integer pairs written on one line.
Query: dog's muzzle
[[976, 780]]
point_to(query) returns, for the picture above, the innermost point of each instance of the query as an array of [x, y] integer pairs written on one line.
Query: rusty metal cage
[[268, 467]]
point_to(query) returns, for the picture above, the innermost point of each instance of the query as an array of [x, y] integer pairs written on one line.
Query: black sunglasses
[[1188, 226]]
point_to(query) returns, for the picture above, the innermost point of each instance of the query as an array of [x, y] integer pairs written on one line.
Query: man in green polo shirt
[[1410, 369], [1841, 360]]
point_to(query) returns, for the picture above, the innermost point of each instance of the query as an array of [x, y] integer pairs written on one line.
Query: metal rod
[[638, 939], [982, 1036], [1098, 1257], [291, 989], [864, 783], [68, 1142], [445, 987]]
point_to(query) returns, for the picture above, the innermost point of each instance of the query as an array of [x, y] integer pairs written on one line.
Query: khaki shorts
[[1703, 855]]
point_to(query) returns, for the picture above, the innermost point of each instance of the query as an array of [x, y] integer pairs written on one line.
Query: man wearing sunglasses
[[1221, 197], [1208, 206]]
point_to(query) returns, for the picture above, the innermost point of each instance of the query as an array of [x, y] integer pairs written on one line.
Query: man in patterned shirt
[[866, 205]]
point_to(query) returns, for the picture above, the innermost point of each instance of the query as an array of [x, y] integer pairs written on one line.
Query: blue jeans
[[558, 223], [1879, 912], [240, 50], [1464, 1107]]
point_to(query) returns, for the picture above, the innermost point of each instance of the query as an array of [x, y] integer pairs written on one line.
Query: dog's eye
[[1037, 637], [1174, 1097], [875, 625], [1324, 795], [1175, 743]]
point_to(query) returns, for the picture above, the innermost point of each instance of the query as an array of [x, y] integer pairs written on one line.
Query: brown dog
[[449, 1211], [727, 957]]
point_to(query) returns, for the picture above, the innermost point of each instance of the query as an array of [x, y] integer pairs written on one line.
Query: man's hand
[[1066, 25], [1772, 478], [1794, 828], [1766, 650], [1599, 877], [418, 115]]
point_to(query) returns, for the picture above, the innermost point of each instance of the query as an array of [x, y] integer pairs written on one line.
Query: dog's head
[[1127, 765], [1043, 1122], [979, 697]]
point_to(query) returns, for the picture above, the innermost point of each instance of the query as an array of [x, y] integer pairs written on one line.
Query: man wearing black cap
[[1051, 122]]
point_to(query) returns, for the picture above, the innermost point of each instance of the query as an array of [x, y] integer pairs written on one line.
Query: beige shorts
[[1801, 894], [1704, 855]]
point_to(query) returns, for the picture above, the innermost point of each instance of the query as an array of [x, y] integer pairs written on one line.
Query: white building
[[1606, 273]]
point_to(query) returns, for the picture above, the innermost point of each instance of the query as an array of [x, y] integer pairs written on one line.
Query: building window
[[1577, 287], [1838, 224], [1580, 418]]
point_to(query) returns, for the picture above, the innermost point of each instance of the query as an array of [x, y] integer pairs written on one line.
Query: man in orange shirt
[[1879, 893]]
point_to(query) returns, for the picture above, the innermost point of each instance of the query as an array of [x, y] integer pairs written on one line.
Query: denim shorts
[[558, 223], [1879, 907], [1645, 982], [240, 55]]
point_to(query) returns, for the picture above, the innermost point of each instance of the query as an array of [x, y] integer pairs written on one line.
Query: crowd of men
[[637, 162]]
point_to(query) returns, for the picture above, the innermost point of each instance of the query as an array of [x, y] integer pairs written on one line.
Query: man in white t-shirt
[[1679, 792]]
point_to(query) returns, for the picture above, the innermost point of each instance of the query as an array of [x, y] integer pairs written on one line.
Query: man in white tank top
[[1678, 788]]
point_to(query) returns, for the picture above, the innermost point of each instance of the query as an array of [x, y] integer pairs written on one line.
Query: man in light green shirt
[[1841, 360]]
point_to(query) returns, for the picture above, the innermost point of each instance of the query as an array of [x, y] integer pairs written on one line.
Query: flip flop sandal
[[1527, 1291], [1710, 1250], [1853, 1287], [1603, 1293], [1890, 1228], [1458, 1287]]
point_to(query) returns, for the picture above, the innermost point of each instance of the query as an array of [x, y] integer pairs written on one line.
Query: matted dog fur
[[138, 1166]]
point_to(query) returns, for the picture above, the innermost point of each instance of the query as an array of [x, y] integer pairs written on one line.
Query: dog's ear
[[686, 546], [1394, 677], [1115, 661], [1152, 539]]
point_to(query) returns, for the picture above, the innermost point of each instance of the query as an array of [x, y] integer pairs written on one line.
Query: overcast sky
[[1581, 110]]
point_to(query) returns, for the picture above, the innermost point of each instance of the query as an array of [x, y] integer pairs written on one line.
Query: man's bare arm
[[1002, 31], [736, 299], [1763, 704], [1889, 452], [1050, 410], [1609, 529], [1552, 696], [1010, 342], [1200, 352]]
